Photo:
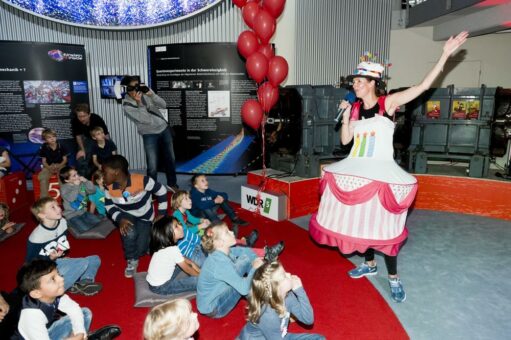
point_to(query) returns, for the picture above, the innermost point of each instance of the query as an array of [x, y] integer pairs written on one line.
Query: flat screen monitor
[[107, 84]]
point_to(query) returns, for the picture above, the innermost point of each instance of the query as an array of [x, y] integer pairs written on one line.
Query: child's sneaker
[[105, 332], [397, 291], [131, 268], [86, 287], [363, 270], [252, 238], [273, 252], [240, 222]]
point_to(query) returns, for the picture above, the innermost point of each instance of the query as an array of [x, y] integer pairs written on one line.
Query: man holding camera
[[142, 105]]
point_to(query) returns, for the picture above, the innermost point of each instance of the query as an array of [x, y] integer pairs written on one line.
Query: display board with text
[[39, 85], [204, 86]]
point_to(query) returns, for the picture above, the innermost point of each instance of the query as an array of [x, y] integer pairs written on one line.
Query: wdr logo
[[267, 205], [254, 201]]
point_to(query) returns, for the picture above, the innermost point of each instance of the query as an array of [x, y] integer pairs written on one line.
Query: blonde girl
[[274, 296], [182, 203], [227, 272], [172, 320]]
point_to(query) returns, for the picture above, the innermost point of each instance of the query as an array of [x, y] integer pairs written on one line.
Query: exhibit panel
[[39, 85], [204, 86]]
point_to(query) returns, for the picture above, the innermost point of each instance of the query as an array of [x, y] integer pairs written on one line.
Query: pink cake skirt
[[358, 213]]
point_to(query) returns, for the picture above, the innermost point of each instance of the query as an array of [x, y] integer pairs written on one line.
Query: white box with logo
[[273, 205]]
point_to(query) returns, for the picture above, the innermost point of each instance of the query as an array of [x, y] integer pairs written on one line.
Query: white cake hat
[[368, 69]]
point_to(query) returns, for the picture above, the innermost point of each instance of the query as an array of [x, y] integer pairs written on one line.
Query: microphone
[[350, 97]]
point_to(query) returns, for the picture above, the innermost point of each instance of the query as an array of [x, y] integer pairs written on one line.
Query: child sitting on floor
[[172, 320], [162, 272], [190, 243], [206, 201], [5, 225], [227, 272], [274, 296], [97, 199], [45, 300], [181, 203], [75, 190], [49, 241], [7, 228]]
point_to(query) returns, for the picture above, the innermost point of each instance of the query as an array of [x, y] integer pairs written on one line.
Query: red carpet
[[343, 308]]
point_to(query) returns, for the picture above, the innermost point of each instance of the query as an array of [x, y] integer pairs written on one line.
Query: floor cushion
[[101, 231], [145, 298], [17, 227]]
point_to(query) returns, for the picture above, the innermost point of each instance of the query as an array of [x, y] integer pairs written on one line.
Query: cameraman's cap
[[369, 70]]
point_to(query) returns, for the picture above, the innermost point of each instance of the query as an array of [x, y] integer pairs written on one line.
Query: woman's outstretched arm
[[403, 97]]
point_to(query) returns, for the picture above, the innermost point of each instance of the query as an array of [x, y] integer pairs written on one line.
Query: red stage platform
[[465, 195], [13, 191], [302, 193]]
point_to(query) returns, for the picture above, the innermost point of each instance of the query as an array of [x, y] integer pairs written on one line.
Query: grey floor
[[455, 269]]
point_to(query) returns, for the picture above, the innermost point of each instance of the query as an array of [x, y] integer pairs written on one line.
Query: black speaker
[[283, 130]]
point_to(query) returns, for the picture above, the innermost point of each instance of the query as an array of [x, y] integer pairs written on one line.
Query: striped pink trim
[[348, 245]]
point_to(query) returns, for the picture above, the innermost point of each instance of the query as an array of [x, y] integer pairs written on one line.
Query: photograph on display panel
[[459, 109], [433, 109], [204, 86]]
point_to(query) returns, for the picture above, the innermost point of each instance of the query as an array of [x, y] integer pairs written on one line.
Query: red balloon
[[277, 70], [267, 50], [249, 13], [252, 113], [274, 7], [268, 96], [247, 43], [257, 66], [264, 26], [240, 3]]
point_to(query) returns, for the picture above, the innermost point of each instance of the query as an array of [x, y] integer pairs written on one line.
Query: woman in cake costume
[[365, 197]]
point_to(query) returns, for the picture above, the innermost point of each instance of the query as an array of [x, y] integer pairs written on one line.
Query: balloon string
[[264, 180]]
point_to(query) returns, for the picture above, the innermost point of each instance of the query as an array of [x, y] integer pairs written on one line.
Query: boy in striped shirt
[[128, 202]]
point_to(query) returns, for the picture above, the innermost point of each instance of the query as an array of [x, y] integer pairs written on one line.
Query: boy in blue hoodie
[[206, 201]]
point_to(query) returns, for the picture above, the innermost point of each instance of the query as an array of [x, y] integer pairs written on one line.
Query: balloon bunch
[[261, 61]]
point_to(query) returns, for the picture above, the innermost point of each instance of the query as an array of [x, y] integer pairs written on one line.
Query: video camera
[[138, 88]]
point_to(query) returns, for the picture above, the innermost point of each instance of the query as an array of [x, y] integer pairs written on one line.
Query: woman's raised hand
[[454, 43]]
